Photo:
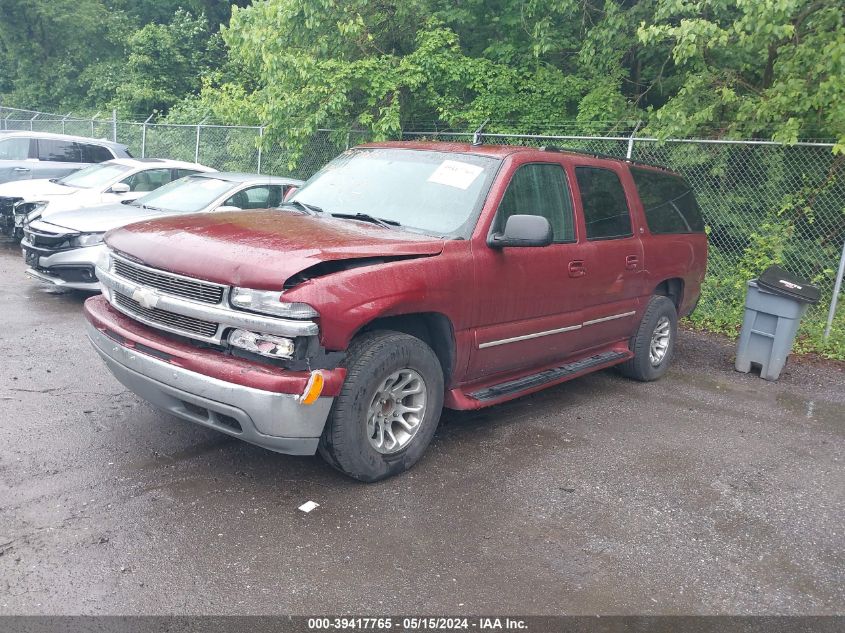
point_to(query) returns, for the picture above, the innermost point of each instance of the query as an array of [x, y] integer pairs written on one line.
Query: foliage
[[97, 54], [772, 68], [166, 62]]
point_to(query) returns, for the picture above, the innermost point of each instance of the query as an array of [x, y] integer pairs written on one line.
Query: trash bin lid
[[776, 280]]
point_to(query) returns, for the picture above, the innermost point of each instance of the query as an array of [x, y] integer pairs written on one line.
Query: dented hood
[[260, 249]]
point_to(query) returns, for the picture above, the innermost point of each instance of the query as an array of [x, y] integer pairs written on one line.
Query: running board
[[546, 376]]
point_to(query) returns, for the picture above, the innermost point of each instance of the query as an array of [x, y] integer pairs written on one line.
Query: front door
[[528, 311]]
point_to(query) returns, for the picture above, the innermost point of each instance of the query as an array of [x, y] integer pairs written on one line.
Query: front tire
[[654, 343], [388, 408]]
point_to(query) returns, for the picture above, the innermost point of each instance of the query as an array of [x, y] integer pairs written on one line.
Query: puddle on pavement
[[829, 414]]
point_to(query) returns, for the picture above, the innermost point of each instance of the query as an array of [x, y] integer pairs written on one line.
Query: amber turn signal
[[313, 388]]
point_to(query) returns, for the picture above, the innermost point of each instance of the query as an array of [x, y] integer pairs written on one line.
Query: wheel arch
[[673, 288], [433, 328]]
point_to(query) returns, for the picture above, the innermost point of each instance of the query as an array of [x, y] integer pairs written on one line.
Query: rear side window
[[539, 189], [605, 207], [94, 153], [668, 202], [58, 151]]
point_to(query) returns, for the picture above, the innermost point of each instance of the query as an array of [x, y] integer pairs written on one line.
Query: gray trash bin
[[774, 305]]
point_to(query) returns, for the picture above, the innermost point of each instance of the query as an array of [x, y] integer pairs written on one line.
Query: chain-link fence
[[763, 202]]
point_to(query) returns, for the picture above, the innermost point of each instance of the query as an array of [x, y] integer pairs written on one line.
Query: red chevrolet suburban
[[401, 278]]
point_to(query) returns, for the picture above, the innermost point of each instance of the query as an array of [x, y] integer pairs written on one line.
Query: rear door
[[612, 251], [56, 157], [528, 306]]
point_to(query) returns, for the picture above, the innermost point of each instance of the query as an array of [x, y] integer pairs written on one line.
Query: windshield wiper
[[309, 208], [366, 217]]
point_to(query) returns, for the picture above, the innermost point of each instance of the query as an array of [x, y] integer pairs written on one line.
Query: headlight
[[104, 261], [269, 302], [26, 212], [263, 344], [86, 239]]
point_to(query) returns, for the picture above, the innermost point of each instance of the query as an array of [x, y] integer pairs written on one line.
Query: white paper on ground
[[453, 173], [308, 506]]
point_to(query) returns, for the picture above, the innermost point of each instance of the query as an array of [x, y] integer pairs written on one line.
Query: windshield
[[186, 195], [94, 176], [434, 192], [16, 148]]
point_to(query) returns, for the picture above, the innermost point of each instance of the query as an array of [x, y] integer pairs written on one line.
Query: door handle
[[21, 169], [577, 268], [632, 262]]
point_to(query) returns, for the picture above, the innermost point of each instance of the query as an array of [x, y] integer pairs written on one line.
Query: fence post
[[114, 125], [630, 151], [144, 136], [33, 119], [837, 287], [260, 143], [94, 118], [64, 118], [197, 148]]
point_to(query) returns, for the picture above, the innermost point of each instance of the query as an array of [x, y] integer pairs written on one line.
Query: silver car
[[63, 249], [25, 155]]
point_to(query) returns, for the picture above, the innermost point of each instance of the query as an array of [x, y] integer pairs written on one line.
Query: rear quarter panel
[[671, 256]]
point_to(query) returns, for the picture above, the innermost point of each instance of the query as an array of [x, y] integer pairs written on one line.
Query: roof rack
[[553, 148]]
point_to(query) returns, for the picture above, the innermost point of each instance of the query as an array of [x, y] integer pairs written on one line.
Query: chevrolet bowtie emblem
[[146, 297]]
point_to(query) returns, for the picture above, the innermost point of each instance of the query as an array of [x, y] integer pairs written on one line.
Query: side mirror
[[226, 208], [289, 193], [120, 188], [523, 230]]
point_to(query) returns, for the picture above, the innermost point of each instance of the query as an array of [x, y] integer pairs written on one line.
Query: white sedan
[[117, 180]]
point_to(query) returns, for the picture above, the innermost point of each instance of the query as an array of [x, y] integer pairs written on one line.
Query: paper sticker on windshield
[[453, 173]]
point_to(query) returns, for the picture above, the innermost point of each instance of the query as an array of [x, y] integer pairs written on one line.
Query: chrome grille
[[193, 289], [171, 320]]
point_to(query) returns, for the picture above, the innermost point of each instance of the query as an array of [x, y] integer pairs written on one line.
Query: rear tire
[[388, 408], [654, 343]]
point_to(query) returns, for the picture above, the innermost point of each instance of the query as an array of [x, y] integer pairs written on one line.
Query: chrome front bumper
[[86, 256], [276, 421]]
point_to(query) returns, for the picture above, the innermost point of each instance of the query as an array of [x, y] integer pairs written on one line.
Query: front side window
[[186, 195], [605, 207], [262, 197], [14, 148], [58, 151], [148, 180], [437, 193], [94, 176], [539, 189], [668, 202]]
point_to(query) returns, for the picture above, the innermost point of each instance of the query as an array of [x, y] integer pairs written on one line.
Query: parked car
[[404, 277], [111, 181], [63, 248], [26, 155]]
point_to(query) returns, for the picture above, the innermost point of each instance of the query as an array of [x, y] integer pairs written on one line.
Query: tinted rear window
[[668, 202], [605, 207], [94, 153], [58, 151]]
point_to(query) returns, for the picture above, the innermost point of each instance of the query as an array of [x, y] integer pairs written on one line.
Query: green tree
[[47, 44], [772, 68], [166, 62]]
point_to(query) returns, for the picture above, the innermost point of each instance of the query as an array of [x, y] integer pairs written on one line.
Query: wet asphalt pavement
[[707, 492]]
